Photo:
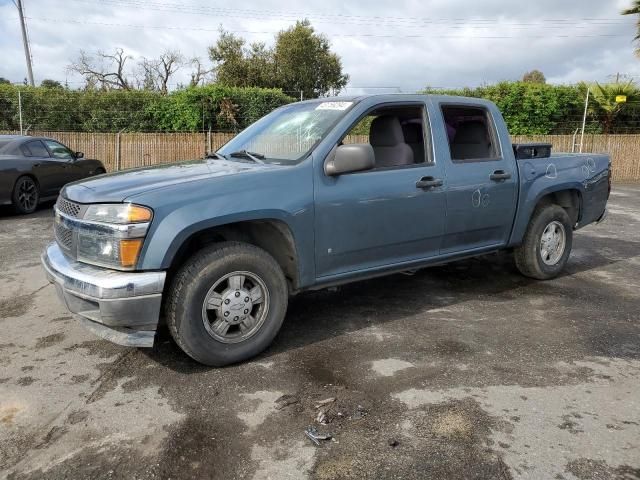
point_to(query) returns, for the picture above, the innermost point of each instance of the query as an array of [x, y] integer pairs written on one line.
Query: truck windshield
[[287, 134]]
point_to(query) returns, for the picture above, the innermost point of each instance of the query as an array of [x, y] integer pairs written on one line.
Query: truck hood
[[116, 187]]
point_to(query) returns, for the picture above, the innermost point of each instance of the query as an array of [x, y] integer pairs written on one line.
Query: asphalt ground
[[467, 370]]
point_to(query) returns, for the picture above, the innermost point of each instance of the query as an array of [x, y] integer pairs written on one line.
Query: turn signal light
[[129, 251], [137, 214]]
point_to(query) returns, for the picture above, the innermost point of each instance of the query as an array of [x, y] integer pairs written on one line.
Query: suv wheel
[[227, 303], [546, 245]]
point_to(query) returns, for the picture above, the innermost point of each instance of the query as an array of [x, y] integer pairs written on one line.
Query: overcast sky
[[402, 45]]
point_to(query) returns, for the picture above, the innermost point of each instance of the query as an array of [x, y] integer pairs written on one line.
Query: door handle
[[429, 182], [499, 175]]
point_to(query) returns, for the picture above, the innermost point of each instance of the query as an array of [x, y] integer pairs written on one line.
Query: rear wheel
[[227, 303], [547, 243], [26, 195]]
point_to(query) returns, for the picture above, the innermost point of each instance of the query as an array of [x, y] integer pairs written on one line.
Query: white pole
[[584, 119], [300, 95], [20, 110]]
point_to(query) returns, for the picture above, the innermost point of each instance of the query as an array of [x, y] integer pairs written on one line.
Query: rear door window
[[471, 133], [34, 149]]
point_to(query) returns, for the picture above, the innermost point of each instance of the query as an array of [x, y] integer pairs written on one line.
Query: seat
[[471, 141], [414, 138], [387, 140]]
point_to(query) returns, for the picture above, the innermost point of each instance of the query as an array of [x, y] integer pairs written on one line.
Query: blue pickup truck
[[313, 195]]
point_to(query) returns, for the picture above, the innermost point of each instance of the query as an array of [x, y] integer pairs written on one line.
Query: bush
[[542, 109], [185, 110]]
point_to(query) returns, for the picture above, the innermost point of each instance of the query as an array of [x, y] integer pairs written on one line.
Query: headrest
[[471, 132], [385, 131], [412, 132]]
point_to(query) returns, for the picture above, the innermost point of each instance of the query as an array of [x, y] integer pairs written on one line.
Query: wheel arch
[[568, 196], [31, 175], [270, 234]]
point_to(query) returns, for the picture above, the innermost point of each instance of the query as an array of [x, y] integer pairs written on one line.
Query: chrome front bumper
[[122, 307]]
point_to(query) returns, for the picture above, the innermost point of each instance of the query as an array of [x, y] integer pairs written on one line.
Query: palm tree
[[635, 10], [604, 95]]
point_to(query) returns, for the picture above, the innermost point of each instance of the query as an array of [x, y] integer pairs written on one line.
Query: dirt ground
[[462, 371]]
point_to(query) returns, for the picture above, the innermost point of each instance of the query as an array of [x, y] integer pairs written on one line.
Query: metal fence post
[[584, 119], [118, 150], [20, 109]]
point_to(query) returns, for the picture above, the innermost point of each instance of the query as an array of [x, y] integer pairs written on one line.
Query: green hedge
[[185, 110], [543, 109], [528, 108]]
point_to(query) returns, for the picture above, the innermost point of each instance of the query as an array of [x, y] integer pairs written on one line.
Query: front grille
[[67, 207], [64, 236]]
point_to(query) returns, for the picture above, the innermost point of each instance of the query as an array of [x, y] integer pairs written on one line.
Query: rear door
[[45, 168], [481, 180]]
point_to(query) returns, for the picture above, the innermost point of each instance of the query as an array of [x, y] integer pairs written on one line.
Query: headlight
[[112, 235], [118, 213]]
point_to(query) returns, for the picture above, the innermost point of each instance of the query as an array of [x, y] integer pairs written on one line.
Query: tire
[[199, 328], [100, 171], [26, 195], [544, 263]]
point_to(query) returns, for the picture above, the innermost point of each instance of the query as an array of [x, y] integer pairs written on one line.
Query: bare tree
[[103, 69], [157, 71], [198, 73]]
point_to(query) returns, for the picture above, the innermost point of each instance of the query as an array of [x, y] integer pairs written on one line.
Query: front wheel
[[227, 303], [546, 245]]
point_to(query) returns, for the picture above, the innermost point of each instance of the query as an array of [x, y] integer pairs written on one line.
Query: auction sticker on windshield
[[334, 105]]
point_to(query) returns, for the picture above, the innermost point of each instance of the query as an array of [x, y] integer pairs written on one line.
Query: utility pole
[[25, 41]]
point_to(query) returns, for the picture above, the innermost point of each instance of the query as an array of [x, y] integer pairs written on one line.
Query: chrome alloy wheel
[[235, 307], [552, 243]]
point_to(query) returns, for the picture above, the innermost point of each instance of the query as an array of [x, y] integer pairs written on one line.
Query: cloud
[[402, 45]]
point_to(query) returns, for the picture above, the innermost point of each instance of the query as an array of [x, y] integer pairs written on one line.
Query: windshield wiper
[[256, 157], [214, 155]]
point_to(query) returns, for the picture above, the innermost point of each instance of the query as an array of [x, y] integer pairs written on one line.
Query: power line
[[353, 19], [336, 35]]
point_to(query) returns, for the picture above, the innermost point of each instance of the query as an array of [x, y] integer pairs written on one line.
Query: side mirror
[[350, 158], [79, 155]]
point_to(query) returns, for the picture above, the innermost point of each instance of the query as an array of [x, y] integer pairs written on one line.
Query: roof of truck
[[402, 96]]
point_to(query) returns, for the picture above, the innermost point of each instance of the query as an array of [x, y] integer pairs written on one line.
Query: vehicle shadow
[[317, 316], [43, 211]]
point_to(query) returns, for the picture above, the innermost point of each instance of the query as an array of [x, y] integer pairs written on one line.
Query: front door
[[392, 214], [68, 170]]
